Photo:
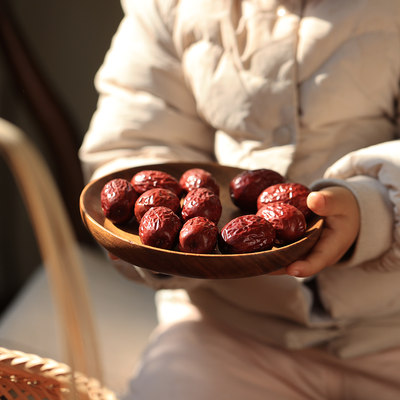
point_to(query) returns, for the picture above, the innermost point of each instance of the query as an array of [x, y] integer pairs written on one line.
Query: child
[[309, 89]]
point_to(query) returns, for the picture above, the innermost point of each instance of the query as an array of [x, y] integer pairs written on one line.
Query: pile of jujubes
[[182, 213]]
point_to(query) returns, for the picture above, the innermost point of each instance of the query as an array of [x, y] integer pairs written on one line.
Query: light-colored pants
[[190, 358]]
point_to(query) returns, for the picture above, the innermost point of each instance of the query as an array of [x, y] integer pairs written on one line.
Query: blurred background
[[50, 52], [67, 41]]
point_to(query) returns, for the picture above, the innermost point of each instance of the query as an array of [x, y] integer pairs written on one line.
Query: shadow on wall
[[68, 41]]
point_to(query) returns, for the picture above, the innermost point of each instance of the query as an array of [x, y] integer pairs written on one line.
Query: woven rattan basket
[[29, 376]]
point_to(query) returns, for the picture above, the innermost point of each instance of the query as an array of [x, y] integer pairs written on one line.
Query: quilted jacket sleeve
[[146, 113], [373, 174]]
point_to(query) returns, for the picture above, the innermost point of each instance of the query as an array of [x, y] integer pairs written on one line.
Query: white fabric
[[194, 358]]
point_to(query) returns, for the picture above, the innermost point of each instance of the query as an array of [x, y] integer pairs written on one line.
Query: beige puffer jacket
[[308, 88]]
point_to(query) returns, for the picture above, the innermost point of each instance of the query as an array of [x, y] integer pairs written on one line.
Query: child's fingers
[[340, 209]]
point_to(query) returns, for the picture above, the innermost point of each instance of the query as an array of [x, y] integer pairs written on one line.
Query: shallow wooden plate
[[124, 241]]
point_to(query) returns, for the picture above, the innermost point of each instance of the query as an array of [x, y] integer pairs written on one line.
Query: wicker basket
[[29, 376]]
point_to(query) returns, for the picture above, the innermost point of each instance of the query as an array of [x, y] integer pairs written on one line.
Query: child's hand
[[342, 222]]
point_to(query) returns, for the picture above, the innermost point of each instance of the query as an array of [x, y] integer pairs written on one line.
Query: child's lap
[[195, 359]]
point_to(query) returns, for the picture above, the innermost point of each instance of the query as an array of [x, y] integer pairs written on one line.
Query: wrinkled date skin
[[150, 179], [156, 197], [291, 193], [198, 235], [197, 177], [118, 200], [245, 187], [202, 202], [289, 222], [159, 227], [246, 234]]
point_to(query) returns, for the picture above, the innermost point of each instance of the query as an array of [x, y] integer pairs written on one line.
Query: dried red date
[[197, 177], [289, 222], [245, 187], [156, 197], [159, 227], [202, 202], [150, 179], [117, 199], [246, 234], [198, 235], [291, 193]]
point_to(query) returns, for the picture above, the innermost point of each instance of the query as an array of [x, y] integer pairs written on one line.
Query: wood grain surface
[[123, 240]]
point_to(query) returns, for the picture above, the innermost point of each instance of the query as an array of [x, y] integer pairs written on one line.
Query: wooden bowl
[[124, 242]]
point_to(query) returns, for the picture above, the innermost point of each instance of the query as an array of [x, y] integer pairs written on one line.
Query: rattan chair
[[29, 376]]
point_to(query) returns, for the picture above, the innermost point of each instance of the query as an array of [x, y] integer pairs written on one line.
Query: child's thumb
[[323, 203], [329, 201]]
